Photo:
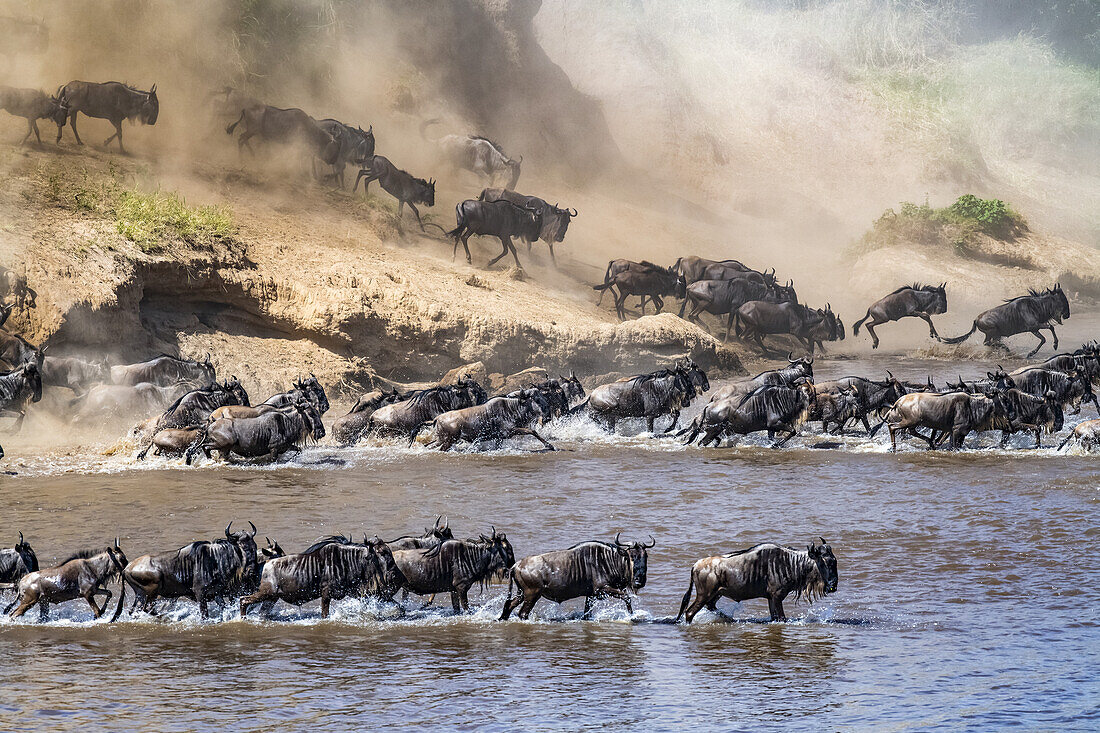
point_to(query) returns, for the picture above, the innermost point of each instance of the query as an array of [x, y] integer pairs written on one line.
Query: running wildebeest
[[501, 219], [614, 267], [33, 105], [356, 147], [555, 221], [1034, 414], [724, 297], [797, 370], [954, 414], [17, 388], [73, 373], [285, 126], [309, 388], [496, 420], [17, 561], [759, 318], [163, 371], [455, 566], [477, 154], [111, 101], [350, 428], [440, 532], [194, 408], [589, 569], [403, 186], [1024, 314], [1087, 434], [270, 434], [767, 571], [654, 282], [202, 571], [694, 268], [330, 569], [839, 407], [771, 408], [16, 351], [1071, 390], [409, 416], [172, 440], [916, 300], [873, 396], [126, 401], [82, 575], [664, 392]]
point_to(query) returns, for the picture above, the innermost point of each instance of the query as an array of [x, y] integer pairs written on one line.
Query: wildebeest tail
[[687, 596], [233, 125], [857, 324], [460, 218], [1060, 447], [964, 337]]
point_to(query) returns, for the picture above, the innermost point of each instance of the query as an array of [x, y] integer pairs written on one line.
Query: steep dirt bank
[[309, 279]]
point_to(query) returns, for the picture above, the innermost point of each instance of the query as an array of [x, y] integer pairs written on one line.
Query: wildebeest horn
[[253, 526], [370, 129], [617, 538], [436, 525], [572, 211], [228, 536], [810, 360], [652, 542], [116, 542], [154, 89], [889, 374], [790, 357], [20, 538], [822, 540], [268, 540]]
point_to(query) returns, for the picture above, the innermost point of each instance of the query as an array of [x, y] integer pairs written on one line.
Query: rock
[[519, 380], [475, 371]]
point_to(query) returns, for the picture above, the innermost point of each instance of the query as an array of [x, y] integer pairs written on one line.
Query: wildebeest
[[285, 126], [694, 268], [918, 301], [17, 561], [497, 419], [800, 369], [456, 565], [356, 147], [194, 408], [403, 186], [652, 281], [767, 571], [759, 318], [954, 414], [33, 105], [664, 392], [1087, 434], [125, 401], [111, 101], [73, 373], [589, 569], [477, 154], [724, 297], [350, 427], [270, 434], [1033, 414], [14, 286], [16, 351], [409, 416], [330, 569], [873, 396], [202, 571], [555, 220], [17, 388], [501, 219], [164, 370], [1024, 314], [838, 408], [310, 388], [829, 328], [438, 533], [1071, 390], [82, 575], [772, 408], [172, 440], [1081, 361]]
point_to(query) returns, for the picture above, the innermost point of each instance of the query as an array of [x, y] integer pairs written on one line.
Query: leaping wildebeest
[[111, 101], [284, 126], [82, 575], [1024, 314], [270, 434], [477, 154], [456, 565], [555, 220], [767, 571], [501, 219], [33, 105], [649, 281], [772, 408], [589, 569], [917, 301], [402, 185]]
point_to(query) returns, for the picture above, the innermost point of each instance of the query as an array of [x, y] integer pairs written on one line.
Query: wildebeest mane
[[80, 555], [335, 539]]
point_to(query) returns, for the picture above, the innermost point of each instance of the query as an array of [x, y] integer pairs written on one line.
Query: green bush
[[150, 220], [957, 224]]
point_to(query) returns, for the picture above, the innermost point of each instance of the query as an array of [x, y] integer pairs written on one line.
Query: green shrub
[[150, 220], [957, 224]]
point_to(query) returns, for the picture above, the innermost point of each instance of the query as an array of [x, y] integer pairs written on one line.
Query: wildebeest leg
[[871, 330], [1042, 340], [554, 259], [783, 442], [72, 124], [29, 599], [1053, 335], [675, 421], [931, 328], [363, 173], [466, 246], [417, 212], [620, 299], [649, 423], [90, 597], [455, 601], [587, 607], [622, 595], [658, 301], [118, 134], [326, 599], [701, 599], [775, 607], [532, 433], [504, 243], [31, 127]]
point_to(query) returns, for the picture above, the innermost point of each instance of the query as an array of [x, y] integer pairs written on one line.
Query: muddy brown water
[[968, 592]]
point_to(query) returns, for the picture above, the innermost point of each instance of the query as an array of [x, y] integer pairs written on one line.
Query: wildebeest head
[[424, 192], [823, 558], [314, 391], [26, 553], [364, 150], [572, 386], [694, 374], [272, 550], [473, 392], [118, 558], [555, 222], [311, 419], [939, 303], [514, 170], [150, 108], [637, 553], [246, 544], [391, 578], [504, 557], [1061, 298], [441, 530], [1000, 378], [233, 387], [59, 111]]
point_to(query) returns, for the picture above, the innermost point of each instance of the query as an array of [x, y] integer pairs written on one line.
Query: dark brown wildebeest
[[555, 220], [82, 575], [1071, 390], [654, 282], [111, 101], [874, 396], [771, 408], [724, 297], [17, 561], [501, 219], [356, 147], [829, 328], [455, 566], [201, 571], [193, 409], [172, 440], [917, 301], [285, 126], [954, 414], [330, 569], [33, 105], [1087, 434], [649, 396], [614, 267], [496, 420], [17, 388], [837, 407], [797, 370], [1025, 314], [767, 571], [1082, 361], [693, 268], [16, 350], [1034, 414], [350, 427], [590, 569], [403, 186], [759, 318], [73, 373], [477, 154], [270, 434], [309, 388], [163, 371], [409, 416]]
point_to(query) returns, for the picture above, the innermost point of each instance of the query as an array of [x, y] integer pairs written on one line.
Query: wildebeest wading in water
[[918, 301], [81, 576], [1024, 314], [111, 101]]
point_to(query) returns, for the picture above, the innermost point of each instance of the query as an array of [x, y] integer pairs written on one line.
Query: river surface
[[968, 596]]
